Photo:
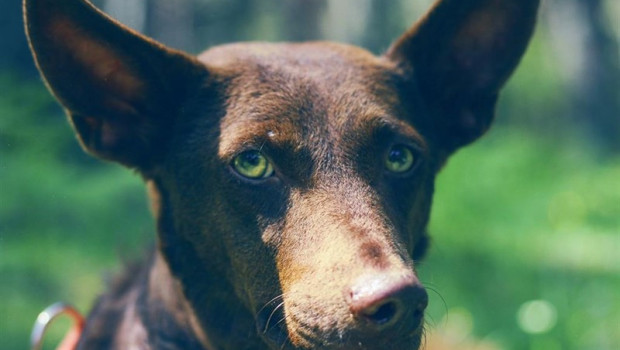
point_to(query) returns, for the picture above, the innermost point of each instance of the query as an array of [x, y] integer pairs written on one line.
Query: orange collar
[[46, 317]]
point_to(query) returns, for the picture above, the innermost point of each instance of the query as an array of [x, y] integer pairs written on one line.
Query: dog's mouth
[[282, 332]]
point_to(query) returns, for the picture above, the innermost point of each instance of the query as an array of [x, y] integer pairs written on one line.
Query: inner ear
[[490, 42], [122, 91], [101, 63], [106, 84], [457, 58]]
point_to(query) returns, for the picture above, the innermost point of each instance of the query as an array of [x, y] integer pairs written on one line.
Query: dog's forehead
[[302, 91], [323, 55]]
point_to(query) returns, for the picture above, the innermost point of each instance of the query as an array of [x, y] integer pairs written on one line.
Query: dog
[[291, 183]]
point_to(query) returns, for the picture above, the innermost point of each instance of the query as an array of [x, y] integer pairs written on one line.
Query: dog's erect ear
[[121, 89], [458, 57]]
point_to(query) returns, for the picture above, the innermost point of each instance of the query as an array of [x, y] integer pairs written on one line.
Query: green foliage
[[518, 219], [62, 215]]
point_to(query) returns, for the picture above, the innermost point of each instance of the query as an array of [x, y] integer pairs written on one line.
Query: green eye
[[399, 159], [253, 165]]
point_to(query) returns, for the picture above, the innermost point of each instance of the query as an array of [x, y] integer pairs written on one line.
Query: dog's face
[[318, 186], [292, 182]]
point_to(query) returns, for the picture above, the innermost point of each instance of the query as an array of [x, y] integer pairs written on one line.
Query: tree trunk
[[598, 97]]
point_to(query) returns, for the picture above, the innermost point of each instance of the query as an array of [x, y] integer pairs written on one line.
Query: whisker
[[424, 342], [430, 321], [275, 309], [287, 340], [279, 296], [281, 320], [445, 304]]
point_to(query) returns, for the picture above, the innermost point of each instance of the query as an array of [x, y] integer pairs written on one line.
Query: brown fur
[[322, 254]]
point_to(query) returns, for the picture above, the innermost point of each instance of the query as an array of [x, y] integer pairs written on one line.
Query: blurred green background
[[526, 222]]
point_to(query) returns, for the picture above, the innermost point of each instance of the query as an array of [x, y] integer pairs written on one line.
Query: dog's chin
[[296, 341], [295, 337]]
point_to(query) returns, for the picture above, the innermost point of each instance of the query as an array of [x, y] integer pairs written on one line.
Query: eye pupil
[[397, 156], [399, 159], [251, 159]]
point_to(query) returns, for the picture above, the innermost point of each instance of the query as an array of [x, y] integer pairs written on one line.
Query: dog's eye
[[400, 159], [253, 165]]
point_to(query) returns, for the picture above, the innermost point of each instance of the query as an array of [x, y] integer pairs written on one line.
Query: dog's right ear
[[121, 89]]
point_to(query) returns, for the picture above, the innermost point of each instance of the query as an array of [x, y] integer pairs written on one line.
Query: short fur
[[322, 254]]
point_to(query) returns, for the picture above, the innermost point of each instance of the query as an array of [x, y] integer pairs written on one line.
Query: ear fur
[[458, 57], [121, 89]]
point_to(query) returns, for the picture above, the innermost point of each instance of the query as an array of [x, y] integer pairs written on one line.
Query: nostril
[[382, 314], [383, 300]]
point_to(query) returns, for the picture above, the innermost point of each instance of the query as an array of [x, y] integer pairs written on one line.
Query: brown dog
[[292, 183]]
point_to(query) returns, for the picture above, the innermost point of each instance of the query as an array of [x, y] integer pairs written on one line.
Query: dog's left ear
[[122, 91], [457, 58]]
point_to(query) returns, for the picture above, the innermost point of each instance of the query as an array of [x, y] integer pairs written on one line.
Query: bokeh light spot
[[537, 316]]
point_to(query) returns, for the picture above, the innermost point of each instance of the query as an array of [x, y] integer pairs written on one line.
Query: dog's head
[[292, 182]]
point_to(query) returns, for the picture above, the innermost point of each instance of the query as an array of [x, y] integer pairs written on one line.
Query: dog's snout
[[382, 301]]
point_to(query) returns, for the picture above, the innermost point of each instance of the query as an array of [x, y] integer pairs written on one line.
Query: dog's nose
[[382, 301]]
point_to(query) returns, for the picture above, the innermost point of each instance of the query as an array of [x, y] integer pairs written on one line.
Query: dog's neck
[[156, 313], [166, 293]]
